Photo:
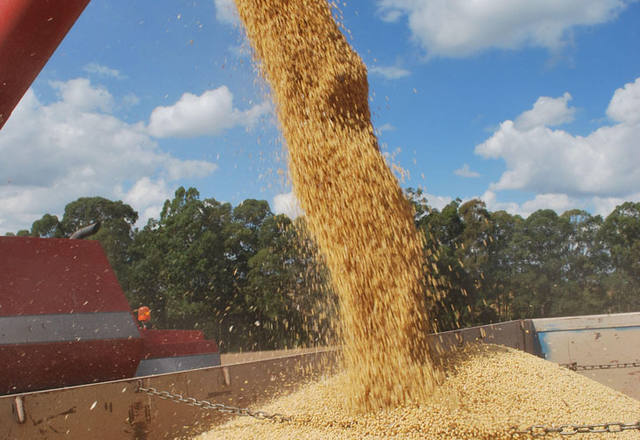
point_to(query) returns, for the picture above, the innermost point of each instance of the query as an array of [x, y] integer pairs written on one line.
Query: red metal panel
[[179, 349], [30, 31], [29, 367], [153, 336], [169, 343], [52, 276]]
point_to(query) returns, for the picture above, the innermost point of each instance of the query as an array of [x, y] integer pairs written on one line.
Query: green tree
[[474, 251], [450, 287], [47, 227], [253, 280], [287, 287], [116, 232], [501, 265], [541, 245], [235, 273], [584, 267], [620, 234], [179, 265]]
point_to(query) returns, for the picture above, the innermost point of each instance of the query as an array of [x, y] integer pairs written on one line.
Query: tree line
[[495, 266], [251, 279]]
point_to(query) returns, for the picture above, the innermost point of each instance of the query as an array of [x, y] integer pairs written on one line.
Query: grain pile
[[354, 207], [498, 387]]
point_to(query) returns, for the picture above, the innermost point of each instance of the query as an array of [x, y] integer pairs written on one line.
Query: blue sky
[[526, 105]]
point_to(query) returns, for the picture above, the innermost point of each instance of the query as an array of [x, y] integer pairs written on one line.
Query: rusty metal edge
[[116, 410]]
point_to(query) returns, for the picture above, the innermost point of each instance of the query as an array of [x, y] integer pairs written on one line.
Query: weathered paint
[[27, 367], [516, 334], [114, 410], [587, 322], [595, 340], [46, 276], [551, 343]]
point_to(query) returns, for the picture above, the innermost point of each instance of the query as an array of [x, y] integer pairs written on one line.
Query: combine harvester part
[[64, 320], [168, 351], [85, 232], [30, 31]]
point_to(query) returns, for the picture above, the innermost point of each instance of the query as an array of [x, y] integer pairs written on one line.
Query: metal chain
[[575, 367], [220, 407], [542, 431], [532, 431]]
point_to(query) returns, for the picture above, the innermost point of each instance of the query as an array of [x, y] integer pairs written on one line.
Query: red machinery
[[64, 320], [30, 31]]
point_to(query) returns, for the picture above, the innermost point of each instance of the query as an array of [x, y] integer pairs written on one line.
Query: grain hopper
[[601, 347]]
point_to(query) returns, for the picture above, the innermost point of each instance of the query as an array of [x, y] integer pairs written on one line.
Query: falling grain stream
[[354, 207]]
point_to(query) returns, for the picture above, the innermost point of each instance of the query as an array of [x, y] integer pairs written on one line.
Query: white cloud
[[226, 12], [147, 190], [557, 202], [390, 72], [73, 147], [604, 205], [546, 112], [625, 104], [493, 204], [458, 28], [465, 171], [208, 114], [99, 69], [287, 204], [80, 95], [438, 202], [150, 195], [176, 169], [598, 170]]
